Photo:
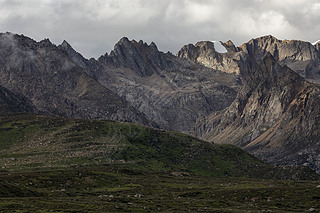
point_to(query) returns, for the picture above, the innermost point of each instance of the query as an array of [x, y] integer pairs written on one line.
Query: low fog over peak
[[93, 27]]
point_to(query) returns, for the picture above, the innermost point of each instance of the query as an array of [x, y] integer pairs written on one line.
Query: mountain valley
[[142, 130]]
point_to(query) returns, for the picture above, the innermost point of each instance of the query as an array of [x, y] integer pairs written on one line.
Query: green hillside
[[37, 142]]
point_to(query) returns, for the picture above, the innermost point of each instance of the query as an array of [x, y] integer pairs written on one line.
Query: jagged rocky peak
[[15, 42], [50, 80], [65, 45], [202, 52], [287, 52], [268, 90], [76, 57], [205, 46], [140, 57]]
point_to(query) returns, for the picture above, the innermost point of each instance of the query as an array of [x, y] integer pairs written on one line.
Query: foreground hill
[[116, 189], [31, 141]]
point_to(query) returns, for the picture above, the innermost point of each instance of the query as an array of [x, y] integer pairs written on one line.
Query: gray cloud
[[93, 27]]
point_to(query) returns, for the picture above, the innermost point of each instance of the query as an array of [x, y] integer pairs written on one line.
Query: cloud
[[93, 27]]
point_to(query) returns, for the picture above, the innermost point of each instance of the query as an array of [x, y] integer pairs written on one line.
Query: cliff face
[[300, 56], [204, 53], [54, 84], [275, 117]]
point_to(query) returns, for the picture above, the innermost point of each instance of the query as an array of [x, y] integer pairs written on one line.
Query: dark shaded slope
[[12, 103]]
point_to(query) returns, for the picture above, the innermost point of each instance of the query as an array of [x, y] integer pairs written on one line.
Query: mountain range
[[261, 96]]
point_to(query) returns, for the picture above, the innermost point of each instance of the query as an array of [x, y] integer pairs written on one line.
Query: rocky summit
[[261, 96]]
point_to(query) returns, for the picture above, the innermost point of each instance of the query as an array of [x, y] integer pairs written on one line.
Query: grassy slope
[[29, 142], [109, 189]]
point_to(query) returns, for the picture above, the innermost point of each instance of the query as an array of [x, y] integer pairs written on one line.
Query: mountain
[[275, 117], [171, 91], [258, 96], [257, 108], [49, 80]]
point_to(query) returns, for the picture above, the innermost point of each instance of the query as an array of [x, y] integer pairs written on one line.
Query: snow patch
[[219, 47], [314, 43]]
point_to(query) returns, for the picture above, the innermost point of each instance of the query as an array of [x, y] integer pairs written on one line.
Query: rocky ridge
[[300, 56]]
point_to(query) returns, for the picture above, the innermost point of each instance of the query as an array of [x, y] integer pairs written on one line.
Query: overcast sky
[[93, 27]]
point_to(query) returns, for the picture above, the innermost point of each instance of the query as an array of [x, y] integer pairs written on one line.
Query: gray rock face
[[54, 84], [275, 117], [300, 56]]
